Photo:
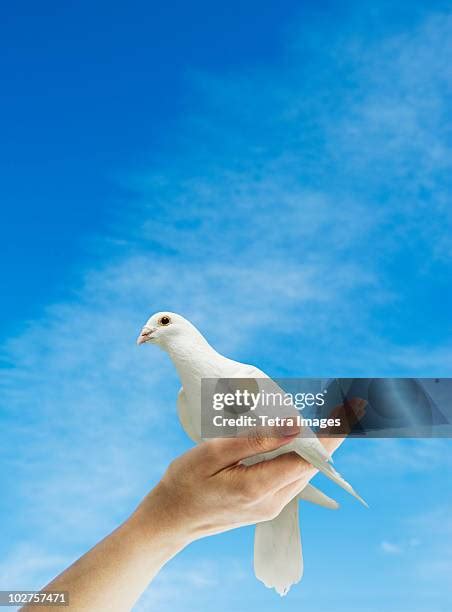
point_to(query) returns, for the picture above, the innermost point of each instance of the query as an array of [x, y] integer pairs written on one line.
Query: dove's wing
[[185, 418], [311, 455], [308, 446]]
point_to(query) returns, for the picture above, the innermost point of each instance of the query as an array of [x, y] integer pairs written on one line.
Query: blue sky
[[281, 176]]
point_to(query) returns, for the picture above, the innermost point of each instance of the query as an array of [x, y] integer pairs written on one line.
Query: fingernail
[[362, 403], [289, 428]]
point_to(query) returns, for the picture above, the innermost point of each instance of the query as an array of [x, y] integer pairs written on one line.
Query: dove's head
[[165, 328]]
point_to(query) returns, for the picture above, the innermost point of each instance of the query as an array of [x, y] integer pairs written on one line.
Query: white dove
[[278, 559]]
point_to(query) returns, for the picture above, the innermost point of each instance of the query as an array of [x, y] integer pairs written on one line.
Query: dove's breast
[[192, 369]]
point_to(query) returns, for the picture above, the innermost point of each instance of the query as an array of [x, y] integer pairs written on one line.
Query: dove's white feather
[[186, 419], [278, 559], [313, 495]]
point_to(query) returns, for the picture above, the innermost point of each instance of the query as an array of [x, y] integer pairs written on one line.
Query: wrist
[[158, 522]]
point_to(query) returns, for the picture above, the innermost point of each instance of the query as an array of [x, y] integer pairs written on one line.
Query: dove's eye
[[164, 320]]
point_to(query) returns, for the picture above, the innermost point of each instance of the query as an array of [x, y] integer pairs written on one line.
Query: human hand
[[207, 490]]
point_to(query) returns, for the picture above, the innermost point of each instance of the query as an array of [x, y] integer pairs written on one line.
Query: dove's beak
[[145, 335]]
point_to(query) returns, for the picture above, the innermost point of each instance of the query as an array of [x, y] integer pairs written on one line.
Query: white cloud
[[28, 567], [256, 233], [389, 548], [400, 456], [192, 586]]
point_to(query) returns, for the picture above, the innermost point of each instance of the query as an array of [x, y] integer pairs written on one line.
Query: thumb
[[258, 440]]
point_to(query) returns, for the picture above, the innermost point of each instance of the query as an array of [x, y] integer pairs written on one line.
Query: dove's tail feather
[[333, 475], [325, 468], [313, 495], [278, 560]]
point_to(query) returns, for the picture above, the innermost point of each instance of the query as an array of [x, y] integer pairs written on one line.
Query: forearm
[[113, 574], [205, 491]]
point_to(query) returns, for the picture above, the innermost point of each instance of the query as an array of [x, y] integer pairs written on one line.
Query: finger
[[223, 452], [287, 493], [282, 471], [285, 469], [272, 475]]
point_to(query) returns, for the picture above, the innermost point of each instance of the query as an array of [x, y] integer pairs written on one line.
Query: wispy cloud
[[389, 548], [190, 585], [311, 206], [26, 565]]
